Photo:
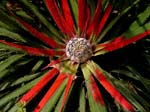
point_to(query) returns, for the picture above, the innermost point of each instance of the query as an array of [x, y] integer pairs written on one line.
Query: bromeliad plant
[[53, 61]]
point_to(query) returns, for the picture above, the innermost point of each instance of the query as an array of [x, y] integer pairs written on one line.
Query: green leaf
[[37, 66], [122, 87], [135, 30], [23, 14], [138, 25], [144, 81], [82, 100], [68, 67], [16, 93], [4, 53], [114, 21], [58, 106], [142, 17], [4, 85], [14, 108], [11, 69], [92, 5], [8, 106], [104, 4], [74, 8], [94, 106], [4, 25], [3, 3], [12, 35], [6, 47], [52, 102], [43, 19], [126, 92], [10, 60], [9, 21], [25, 79]]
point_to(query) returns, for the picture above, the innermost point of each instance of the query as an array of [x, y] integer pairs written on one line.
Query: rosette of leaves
[[74, 55]]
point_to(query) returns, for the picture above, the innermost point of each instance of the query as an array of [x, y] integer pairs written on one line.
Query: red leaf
[[66, 92], [87, 20], [92, 27], [35, 90], [82, 8], [32, 50], [67, 14], [49, 41], [50, 92], [100, 26], [57, 16], [95, 91], [113, 91], [120, 42], [88, 17], [55, 62]]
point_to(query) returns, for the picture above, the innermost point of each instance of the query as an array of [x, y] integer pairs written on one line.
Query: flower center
[[78, 50]]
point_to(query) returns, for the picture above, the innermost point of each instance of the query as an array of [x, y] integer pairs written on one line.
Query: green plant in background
[[74, 55]]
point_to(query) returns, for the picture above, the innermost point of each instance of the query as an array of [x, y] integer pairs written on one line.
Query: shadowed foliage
[[37, 75]]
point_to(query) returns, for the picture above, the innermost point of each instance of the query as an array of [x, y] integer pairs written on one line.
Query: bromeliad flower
[[76, 34]]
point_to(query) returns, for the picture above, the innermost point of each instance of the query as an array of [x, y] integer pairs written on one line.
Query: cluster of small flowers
[[78, 50]]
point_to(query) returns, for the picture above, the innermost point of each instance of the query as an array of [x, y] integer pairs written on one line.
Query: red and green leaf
[[95, 91], [83, 15], [82, 100], [110, 88], [93, 25], [67, 90], [67, 14], [50, 92], [58, 17], [34, 8], [94, 96], [37, 88], [32, 50], [120, 42], [43, 37], [114, 21], [104, 19]]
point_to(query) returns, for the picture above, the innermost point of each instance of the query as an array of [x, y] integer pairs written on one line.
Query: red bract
[[65, 68], [31, 50], [49, 41], [67, 14], [67, 90], [50, 92], [121, 41], [32, 93], [95, 91], [95, 20], [104, 19], [57, 16], [113, 91]]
